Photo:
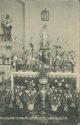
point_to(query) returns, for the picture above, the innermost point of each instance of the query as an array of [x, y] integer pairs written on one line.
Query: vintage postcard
[[39, 62]]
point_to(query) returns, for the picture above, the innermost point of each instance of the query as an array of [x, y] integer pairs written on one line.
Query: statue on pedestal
[[44, 46]]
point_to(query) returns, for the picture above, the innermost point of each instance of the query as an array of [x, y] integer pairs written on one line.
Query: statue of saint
[[30, 54], [7, 27], [44, 36]]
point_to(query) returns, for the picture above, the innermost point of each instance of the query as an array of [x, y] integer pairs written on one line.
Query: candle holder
[[43, 90]]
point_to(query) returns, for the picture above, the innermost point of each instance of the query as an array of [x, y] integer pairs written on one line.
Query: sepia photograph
[[39, 62]]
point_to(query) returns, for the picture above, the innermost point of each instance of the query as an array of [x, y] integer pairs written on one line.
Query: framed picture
[[44, 15]]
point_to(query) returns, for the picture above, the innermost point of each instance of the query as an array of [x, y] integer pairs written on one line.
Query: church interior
[[39, 62]]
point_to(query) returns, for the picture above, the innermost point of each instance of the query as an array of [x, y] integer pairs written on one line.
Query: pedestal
[[45, 55]]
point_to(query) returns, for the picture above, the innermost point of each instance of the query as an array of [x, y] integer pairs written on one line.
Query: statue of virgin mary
[[44, 36]]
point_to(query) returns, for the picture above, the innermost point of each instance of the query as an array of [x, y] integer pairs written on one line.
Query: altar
[[39, 96]]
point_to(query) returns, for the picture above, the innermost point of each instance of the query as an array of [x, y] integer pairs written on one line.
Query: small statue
[[30, 54], [7, 27], [14, 62]]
